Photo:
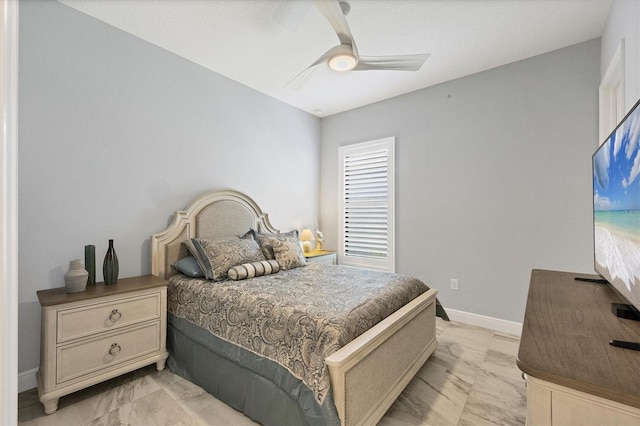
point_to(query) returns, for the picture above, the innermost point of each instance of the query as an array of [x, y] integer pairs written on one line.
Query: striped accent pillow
[[254, 269]]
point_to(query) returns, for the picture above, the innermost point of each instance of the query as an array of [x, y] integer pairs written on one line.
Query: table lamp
[[306, 237]]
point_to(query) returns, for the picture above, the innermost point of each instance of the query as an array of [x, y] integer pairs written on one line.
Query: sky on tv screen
[[617, 168]]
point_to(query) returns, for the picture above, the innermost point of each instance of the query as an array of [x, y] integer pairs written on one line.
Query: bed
[[357, 379]]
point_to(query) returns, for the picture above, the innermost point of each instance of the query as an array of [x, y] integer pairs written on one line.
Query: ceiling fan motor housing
[[343, 62]]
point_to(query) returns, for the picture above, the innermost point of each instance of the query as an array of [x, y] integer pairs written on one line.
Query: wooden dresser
[[99, 334], [574, 377]]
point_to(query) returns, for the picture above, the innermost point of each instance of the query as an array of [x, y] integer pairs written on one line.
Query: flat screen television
[[616, 211]]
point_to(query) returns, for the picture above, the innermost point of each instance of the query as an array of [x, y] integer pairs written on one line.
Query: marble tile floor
[[471, 379]]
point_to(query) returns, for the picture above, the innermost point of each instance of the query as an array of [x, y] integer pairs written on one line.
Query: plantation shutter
[[367, 204]]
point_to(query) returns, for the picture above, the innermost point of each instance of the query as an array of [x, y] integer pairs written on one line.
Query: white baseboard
[[504, 326], [27, 380]]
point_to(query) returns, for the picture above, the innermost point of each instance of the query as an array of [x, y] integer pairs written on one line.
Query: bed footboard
[[370, 373]]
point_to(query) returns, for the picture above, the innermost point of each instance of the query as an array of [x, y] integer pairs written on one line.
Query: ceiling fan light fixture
[[343, 62]]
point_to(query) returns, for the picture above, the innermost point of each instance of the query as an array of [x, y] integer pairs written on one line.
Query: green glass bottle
[[90, 263], [110, 267]]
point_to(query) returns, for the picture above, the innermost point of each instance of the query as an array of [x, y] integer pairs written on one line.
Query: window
[[367, 204], [612, 108]]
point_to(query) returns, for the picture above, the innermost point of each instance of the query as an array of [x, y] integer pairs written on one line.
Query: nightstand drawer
[[82, 358], [91, 319], [322, 256]]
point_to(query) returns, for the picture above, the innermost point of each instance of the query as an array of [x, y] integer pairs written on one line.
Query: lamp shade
[[306, 235]]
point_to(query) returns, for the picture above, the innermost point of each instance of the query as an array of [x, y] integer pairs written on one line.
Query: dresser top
[[57, 296], [565, 337]]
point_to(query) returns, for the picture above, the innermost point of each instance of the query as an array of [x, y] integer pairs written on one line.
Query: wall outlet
[[454, 283]]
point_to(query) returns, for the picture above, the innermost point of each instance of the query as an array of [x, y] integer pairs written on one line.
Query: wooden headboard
[[214, 214]]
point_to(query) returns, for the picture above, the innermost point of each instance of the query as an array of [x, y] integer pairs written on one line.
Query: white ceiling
[[264, 44]]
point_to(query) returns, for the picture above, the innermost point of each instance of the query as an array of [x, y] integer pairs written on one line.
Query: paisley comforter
[[297, 317]]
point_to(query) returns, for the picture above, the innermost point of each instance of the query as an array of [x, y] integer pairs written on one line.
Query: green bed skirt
[[260, 388]]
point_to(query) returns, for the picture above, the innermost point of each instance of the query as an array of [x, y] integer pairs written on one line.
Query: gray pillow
[[285, 248], [189, 266], [216, 257], [265, 245]]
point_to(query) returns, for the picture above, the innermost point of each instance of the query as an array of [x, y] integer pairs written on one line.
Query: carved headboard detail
[[214, 214]]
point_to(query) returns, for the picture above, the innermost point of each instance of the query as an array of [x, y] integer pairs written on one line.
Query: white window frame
[[383, 263], [9, 211], [611, 94]]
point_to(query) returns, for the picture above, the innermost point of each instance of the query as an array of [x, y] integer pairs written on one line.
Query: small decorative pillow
[[265, 245], [216, 257], [255, 269], [189, 266], [285, 247]]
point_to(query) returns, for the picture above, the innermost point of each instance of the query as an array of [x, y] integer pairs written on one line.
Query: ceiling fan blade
[[333, 12], [396, 63], [298, 81]]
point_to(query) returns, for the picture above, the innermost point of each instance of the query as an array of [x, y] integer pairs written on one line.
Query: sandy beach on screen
[[620, 256]]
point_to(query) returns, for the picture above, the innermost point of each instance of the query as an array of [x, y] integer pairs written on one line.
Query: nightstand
[[321, 256], [101, 333]]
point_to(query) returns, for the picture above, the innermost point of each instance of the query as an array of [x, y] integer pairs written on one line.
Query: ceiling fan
[[345, 57]]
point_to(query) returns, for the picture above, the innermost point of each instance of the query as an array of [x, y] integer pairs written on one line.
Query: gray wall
[[493, 176], [116, 134]]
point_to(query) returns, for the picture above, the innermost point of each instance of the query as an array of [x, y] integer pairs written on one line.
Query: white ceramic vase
[[75, 280]]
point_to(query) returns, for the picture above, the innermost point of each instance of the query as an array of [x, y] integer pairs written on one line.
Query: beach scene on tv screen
[[616, 183]]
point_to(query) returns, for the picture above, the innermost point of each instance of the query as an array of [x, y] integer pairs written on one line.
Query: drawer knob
[[115, 315], [115, 349]]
